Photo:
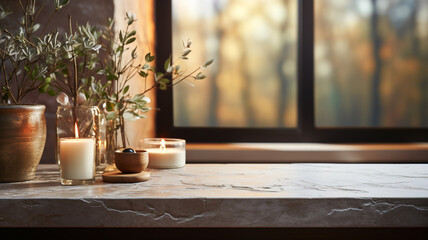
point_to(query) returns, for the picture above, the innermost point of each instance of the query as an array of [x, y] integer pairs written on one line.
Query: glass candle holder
[[77, 160], [166, 152], [79, 144]]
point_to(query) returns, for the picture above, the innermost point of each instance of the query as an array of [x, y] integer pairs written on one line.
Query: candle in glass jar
[[166, 153], [77, 158]]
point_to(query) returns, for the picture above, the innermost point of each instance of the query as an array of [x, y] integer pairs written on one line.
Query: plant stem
[[7, 83], [122, 131], [185, 77]]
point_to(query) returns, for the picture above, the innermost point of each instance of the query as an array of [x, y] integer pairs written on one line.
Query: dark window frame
[[306, 131]]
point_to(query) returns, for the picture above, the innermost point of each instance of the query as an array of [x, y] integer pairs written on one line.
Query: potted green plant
[[27, 58]]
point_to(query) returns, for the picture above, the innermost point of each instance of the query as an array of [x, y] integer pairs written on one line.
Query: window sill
[[306, 152]]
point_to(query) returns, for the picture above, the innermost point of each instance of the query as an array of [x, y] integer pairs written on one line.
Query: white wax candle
[[166, 158], [77, 158]]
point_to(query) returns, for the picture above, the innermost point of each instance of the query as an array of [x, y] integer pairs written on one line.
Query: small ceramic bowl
[[128, 162]]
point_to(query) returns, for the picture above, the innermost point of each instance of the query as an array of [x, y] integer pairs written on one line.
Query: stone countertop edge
[[228, 195]]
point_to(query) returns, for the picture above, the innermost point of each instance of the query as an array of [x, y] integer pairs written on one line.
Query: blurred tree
[[376, 77]]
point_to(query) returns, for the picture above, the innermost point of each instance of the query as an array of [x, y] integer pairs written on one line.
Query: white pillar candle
[[170, 153], [77, 158]]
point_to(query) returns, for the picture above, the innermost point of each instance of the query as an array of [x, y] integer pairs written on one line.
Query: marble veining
[[228, 195], [379, 207]]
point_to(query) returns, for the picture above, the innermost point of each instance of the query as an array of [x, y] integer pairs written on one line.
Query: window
[[253, 80], [298, 71], [370, 67]]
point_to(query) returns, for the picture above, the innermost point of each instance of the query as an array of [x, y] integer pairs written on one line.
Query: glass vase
[[116, 139], [109, 144], [78, 128]]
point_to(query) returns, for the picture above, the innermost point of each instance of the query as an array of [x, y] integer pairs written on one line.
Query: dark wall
[[96, 12]]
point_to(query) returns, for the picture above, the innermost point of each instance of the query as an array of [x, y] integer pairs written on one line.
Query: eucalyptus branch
[[118, 72], [185, 77], [24, 10], [25, 39], [22, 7], [30, 57], [40, 10]]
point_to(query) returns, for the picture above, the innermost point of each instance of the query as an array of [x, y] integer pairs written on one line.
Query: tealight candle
[[77, 160], [166, 153]]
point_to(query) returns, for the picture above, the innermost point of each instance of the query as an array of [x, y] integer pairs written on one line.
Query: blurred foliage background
[[371, 63]]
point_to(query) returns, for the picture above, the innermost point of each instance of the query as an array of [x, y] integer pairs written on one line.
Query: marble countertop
[[228, 195]]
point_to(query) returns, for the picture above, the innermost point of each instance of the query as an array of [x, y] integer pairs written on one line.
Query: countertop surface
[[227, 195]]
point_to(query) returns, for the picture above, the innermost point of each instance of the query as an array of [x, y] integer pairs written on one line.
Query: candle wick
[[162, 146], [76, 130]]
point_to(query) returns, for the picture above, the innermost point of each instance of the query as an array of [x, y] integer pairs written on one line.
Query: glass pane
[[252, 82], [371, 63]]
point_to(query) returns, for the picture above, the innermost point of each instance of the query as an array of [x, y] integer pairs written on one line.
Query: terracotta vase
[[22, 141]]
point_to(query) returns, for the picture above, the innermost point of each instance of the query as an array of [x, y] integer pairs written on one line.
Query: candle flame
[[162, 146], [76, 130]]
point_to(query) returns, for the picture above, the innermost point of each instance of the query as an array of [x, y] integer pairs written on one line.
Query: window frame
[[305, 131]]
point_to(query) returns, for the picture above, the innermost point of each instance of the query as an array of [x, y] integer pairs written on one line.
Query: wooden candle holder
[[128, 162]]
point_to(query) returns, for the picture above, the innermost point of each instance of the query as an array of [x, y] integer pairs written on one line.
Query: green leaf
[[149, 58], [111, 115], [101, 71], [143, 74], [159, 75], [185, 52], [129, 41], [84, 81], [134, 53], [44, 88], [35, 27], [131, 34], [4, 13], [109, 106], [113, 97], [208, 63], [131, 17], [112, 77], [119, 49], [120, 36], [167, 64], [163, 86], [164, 80], [200, 76], [60, 3], [52, 92], [94, 87], [108, 83], [125, 90]]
